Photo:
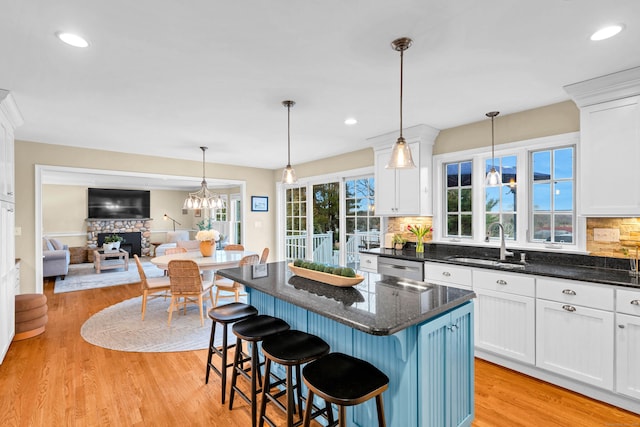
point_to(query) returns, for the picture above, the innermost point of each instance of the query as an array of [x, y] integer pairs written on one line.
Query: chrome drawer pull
[[368, 261], [569, 292], [446, 274], [501, 282], [569, 308], [635, 302]]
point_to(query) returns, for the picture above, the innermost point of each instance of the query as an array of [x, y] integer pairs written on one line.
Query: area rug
[[84, 276], [119, 327]]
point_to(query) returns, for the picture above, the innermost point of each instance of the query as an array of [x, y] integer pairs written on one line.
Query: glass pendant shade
[[401, 156], [493, 178], [289, 175]]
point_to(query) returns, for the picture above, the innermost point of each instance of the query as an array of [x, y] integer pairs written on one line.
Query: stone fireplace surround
[[141, 225]]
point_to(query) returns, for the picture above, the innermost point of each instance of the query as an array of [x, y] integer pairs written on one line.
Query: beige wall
[[550, 120], [354, 160], [29, 154]]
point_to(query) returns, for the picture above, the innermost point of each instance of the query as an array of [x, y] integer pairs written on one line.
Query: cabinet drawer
[[517, 284], [369, 263], [406, 269], [578, 293], [446, 273], [628, 302]]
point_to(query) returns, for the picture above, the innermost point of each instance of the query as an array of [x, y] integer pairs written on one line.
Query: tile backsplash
[[628, 228], [399, 225]]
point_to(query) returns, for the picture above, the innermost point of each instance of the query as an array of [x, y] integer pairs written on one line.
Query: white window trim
[[479, 156]]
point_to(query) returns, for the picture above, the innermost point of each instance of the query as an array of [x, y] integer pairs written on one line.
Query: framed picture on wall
[[259, 203], [197, 213]]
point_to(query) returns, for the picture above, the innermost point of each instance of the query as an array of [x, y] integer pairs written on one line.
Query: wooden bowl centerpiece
[[332, 275]]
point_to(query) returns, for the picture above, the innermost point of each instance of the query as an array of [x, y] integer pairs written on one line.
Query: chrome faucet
[[504, 253]]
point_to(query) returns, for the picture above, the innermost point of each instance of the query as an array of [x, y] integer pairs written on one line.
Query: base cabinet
[[445, 349], [575, 341]]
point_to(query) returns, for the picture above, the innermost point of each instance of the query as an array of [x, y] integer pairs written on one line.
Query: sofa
[[55, 258], [177, 239]]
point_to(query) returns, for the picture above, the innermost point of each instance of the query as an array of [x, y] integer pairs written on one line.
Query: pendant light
[[203, 198], [401, 154], [493, 177], [288, 174]]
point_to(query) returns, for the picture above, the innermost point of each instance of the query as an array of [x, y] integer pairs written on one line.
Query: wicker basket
[[330, 279]]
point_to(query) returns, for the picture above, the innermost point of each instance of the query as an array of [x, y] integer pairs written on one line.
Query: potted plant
[[398, 241], [112, 243]]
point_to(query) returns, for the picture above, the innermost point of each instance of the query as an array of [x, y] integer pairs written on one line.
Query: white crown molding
[[10, 109], [622, 84], [420, 133]]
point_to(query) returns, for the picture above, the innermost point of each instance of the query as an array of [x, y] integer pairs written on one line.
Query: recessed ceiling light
[[350, 121], [606, 32], [72, 39]]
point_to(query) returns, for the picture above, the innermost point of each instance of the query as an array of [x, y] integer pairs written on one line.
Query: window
[[501, 200], [552, 195], [459, 199], [362, 226], [296, 223], [220, 214]]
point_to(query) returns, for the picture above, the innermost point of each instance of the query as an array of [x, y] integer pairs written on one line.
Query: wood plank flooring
[[57, 379]]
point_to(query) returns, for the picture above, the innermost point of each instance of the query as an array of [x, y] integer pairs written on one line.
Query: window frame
[[522, 150]]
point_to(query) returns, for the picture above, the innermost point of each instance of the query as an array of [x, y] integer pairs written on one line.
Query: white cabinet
[[628, 342], [609, 149], [505, 314], [448, 275], [397, 190], [368, 263], [405, 192], [610, 135], [9, 119], [574, 331]]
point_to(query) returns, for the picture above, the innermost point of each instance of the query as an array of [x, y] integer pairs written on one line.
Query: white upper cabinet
[[405, 192], [609, 149], [10, 118]]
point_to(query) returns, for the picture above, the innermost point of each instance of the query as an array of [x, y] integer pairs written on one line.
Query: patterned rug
[[119, 328], [84, 276]]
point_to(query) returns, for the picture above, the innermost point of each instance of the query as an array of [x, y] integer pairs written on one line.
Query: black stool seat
[[294, 347], [253, 329], [290, 349], [345, 381], [259, 327], [224, 315]]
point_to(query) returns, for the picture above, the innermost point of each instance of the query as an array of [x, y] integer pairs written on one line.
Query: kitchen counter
[[420, 335], [371, 306], [603, 270]]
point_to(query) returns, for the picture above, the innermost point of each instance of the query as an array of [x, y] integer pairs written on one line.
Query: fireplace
[[132, 242]]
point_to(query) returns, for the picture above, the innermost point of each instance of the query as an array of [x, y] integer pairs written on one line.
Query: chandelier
[[203, 198]]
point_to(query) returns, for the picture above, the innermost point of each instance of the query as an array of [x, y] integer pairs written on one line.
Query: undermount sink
[[488, 262]]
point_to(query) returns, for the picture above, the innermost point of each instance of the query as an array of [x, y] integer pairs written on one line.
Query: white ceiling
[[165, 77]]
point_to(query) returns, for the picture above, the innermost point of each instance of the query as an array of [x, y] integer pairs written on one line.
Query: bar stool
[[289, 349], [253, 330], [344, 381], [225, 315]]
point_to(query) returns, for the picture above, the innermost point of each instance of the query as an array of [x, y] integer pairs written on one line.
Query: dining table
[[219, 259]]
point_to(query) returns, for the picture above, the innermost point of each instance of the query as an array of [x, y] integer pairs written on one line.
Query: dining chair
[[233, 247], [264, 256], [178, 250], [151, 287], [186, 283], [228, 285]]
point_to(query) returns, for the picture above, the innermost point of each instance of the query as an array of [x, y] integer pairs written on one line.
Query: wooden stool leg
[[234, 373], [342, 416], [265, 389], [210, 354], [381, 420], [290, 407], [254, 382], [307, 410]]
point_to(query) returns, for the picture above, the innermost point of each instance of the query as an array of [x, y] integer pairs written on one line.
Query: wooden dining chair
[[186, 283], [233, 247], [178, 250], [151, 287], [228, 285], [264, 256]]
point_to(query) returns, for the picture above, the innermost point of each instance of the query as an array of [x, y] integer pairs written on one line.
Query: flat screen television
[[118, 204]]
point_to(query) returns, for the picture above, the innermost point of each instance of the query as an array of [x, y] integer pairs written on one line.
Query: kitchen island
[[420, 335]]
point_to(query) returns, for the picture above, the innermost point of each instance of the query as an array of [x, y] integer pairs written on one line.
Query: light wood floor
[[57, 379]]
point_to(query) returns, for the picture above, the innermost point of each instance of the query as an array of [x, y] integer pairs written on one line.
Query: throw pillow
[[57, 244], [47, 245]]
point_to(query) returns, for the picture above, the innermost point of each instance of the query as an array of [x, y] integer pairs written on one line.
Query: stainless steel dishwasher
[[403, 268]]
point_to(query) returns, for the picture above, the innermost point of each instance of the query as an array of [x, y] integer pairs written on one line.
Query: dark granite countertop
[[375, 307], [604, 270]]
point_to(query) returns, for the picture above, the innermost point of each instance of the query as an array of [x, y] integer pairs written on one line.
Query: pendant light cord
[[401, 74], [288, 134], [493, 157]]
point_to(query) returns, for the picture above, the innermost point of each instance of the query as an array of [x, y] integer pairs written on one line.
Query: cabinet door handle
[[501, 282], [569, 292], [10, 209], [446, 274], [635, 302], [368, 261], [569, 308], [10, 193], [621, 326]]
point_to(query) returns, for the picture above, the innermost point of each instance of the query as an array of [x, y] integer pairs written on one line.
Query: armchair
[[55, 258]]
